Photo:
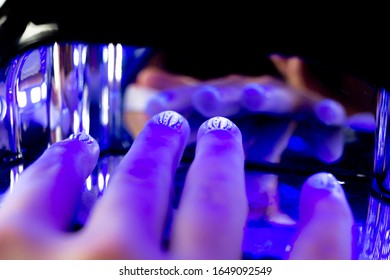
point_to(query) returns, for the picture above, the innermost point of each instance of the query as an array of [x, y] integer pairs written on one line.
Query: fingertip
[[172, 119], [326, 221], [319, 186], [330, 112], [363, 121], [163, 126], [221, 127], [254, 97], [50, 188], [82, 141], [322, 194]]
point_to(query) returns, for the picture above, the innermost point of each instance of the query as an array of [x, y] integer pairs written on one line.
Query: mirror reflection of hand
[[264, 105], [128, 221]]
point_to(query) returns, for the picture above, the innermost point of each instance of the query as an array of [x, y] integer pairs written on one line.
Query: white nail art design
[[81, 136], [171, 119], [219, 123]]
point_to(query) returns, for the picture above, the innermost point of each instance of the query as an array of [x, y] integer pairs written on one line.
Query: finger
[[175, 99], [330, 112], [280, 63], [363, 121], [296, 73], [273, 96], [49, 190], [220, 97], [326, 221], [131, 215], [153, 77], [213, 208], [174, 91]]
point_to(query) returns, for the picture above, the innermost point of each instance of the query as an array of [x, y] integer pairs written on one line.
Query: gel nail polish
[[324, 181], [211, 101]]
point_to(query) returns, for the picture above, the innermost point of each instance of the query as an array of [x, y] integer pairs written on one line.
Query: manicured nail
[[207, 101], [219, 124], [364, 121], [83, 137], [171, 119], [324, 181]]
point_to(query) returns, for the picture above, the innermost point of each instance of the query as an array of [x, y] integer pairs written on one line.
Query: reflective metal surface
[[53, 91]]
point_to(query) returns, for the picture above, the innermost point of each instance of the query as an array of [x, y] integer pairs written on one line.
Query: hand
[[129, 220]]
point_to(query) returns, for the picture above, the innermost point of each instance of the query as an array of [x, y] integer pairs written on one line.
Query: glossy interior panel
[[50, 92]]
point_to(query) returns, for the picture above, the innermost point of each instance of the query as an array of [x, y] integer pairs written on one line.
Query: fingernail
[[219, 124], [83, 137], [324, 181], [171, 119], [207, 101], [363, 121]]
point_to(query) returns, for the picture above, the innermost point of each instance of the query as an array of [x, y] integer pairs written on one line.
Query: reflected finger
[[220, 97]]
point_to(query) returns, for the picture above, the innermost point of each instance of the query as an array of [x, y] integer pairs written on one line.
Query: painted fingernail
[[219, 123], [83, 137], [171, 119], [324, 181]]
